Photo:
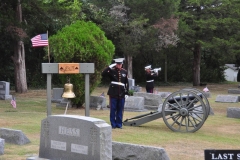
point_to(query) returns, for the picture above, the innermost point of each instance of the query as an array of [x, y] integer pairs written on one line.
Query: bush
[[82, 42]]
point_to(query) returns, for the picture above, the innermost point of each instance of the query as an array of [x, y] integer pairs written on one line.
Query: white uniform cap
[[148, 67], [119, 60]]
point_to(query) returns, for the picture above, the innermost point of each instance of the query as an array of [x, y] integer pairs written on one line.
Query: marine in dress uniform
[[150, 79], [118, 88]]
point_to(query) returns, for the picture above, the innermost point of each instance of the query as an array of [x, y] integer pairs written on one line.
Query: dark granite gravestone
[[72, 137]]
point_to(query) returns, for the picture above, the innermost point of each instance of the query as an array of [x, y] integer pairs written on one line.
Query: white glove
[[112, 65], [126, 96], [155, 70]]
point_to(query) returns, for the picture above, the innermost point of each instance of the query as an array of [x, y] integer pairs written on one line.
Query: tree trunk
[[196, 65], [129, 66], [165, 75], [19, 58]]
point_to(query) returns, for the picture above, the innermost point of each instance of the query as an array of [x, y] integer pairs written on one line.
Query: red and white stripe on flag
[[13, 103], [40, 40]]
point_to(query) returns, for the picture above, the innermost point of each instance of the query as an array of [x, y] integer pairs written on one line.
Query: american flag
[[40, 40], [13, 102]]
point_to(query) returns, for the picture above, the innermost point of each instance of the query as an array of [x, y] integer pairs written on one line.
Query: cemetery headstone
[[2, 142], [98, 102], [136, 88], [131, 82], [13, 136], [234, 91], [5, 90], [57, 95], [126, 151], [227, 98], [233, 112], [151, 101], [75, 137], [133, 103]]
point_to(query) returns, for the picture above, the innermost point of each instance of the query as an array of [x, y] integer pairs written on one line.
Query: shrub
[[82, 42]]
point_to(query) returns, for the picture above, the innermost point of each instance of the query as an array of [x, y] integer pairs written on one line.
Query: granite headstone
[[234, 91], [57, 95], [13, 136], [133, 103], [98, 102], [75, 137], [126, 151], [227, 98], [5, 90], [233, 112], [131, 82]]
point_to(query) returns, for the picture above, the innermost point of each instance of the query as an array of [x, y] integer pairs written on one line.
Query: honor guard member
[[117, 91], [150, 75]]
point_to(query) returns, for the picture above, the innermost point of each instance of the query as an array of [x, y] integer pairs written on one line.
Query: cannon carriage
[[185, 110]]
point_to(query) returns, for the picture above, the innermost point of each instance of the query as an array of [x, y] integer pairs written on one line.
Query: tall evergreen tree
[[209, 24]]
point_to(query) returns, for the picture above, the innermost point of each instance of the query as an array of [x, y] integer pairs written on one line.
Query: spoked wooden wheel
[[184, 111], [204, 98]]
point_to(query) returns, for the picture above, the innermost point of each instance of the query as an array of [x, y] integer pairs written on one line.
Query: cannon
[[185, 110]]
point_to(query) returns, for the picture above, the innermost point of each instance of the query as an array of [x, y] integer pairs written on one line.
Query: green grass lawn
[[218, 132]]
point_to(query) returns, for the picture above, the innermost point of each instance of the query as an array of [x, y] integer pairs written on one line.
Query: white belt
[[118, 83], [150, 81]]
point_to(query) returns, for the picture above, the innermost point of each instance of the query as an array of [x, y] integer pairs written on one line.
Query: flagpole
[[48, 49]]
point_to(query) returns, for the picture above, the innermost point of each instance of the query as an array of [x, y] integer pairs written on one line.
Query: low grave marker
[[126, 151], [234, 91], [233, 112], [13, 136], [227, 98]]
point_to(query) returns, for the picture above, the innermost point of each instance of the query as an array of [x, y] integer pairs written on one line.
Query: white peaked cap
[[148, 67], [119, 60]]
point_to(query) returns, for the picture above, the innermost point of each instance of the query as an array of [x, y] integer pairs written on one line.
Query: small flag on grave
[[13, 102]]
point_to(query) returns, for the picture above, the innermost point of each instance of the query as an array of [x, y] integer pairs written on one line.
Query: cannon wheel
[[198, 92], [203, 97], [183, 114]]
